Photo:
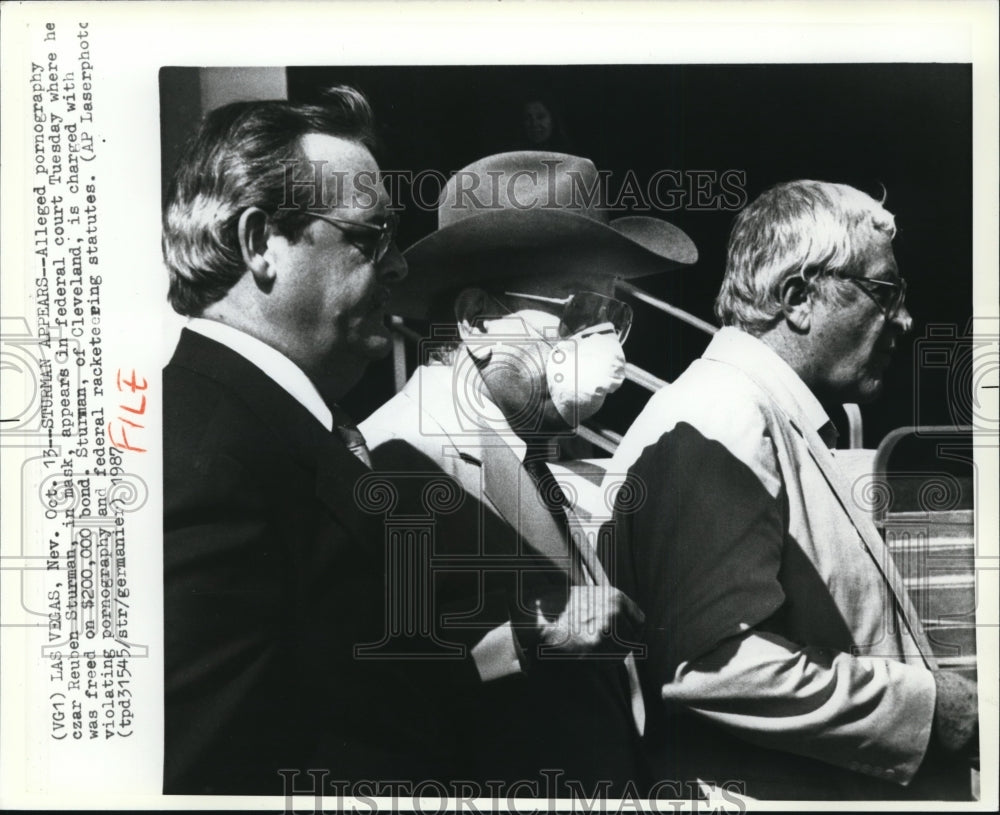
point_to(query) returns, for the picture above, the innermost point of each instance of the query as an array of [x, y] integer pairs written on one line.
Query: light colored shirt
[[732, 347]]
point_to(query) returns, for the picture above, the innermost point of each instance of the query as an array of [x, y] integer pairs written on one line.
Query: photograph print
[[570, 432]]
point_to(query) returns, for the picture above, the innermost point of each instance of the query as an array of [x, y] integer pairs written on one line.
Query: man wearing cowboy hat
[[522, 269]]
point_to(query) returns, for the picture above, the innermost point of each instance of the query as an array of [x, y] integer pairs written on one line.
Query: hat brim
[[516, 244]]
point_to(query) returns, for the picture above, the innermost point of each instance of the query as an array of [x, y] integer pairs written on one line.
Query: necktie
[[828, 432], [552, 497], [350, 435], [588, 566], [551, 494]]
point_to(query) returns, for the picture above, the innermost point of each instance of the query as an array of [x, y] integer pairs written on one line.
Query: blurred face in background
[[536, 122]]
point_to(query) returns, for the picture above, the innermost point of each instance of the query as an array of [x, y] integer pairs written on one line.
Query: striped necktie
[[350, 435]]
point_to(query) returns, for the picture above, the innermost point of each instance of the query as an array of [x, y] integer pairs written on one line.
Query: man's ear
[[797, 300], [252, 233]]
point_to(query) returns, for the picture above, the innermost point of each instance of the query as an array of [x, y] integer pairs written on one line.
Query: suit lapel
[[305, 439], [339, 486], [510, 491], [873, 542], [510, 488], [277, 409], [506, 485]]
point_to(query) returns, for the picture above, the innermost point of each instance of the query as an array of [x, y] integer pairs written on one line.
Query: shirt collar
[[736, 347], [271, 361], [468, 399]]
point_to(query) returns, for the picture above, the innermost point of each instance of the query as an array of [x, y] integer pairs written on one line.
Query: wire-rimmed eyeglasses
[[888, 295], [386, 232], [586, 309]]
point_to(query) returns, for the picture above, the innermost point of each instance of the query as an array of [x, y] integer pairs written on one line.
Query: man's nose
[[392, 268], [903, 320]]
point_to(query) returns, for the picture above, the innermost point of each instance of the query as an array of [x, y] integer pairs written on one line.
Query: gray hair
[[238, 160], [799, 228]]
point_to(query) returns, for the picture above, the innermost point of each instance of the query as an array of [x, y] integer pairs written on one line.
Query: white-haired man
[[783, 650]]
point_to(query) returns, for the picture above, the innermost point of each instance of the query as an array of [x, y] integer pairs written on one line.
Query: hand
[[956, 711], [591, 620]]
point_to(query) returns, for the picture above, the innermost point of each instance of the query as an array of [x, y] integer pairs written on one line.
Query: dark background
[[904, 128]]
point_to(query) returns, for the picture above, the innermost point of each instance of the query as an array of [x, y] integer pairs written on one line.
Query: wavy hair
[[800, 228], [239, 158]]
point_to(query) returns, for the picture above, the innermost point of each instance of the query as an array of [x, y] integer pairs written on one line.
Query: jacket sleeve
[[867, 714], [223, 615], [704, 556]]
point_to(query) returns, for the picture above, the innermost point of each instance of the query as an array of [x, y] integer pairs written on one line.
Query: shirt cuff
[[496, 654]]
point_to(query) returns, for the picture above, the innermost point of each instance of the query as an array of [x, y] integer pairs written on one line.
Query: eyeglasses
[[386, 232], [888, 295], [586, 310]]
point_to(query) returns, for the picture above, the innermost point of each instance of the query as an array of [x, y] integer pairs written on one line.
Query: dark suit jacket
[[272, 575], [570, 716]]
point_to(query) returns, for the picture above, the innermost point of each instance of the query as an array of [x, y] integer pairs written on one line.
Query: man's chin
[[868, 391], [377, 344]]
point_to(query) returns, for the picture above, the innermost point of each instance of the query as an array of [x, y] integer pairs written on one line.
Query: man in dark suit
[[280, 248]]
